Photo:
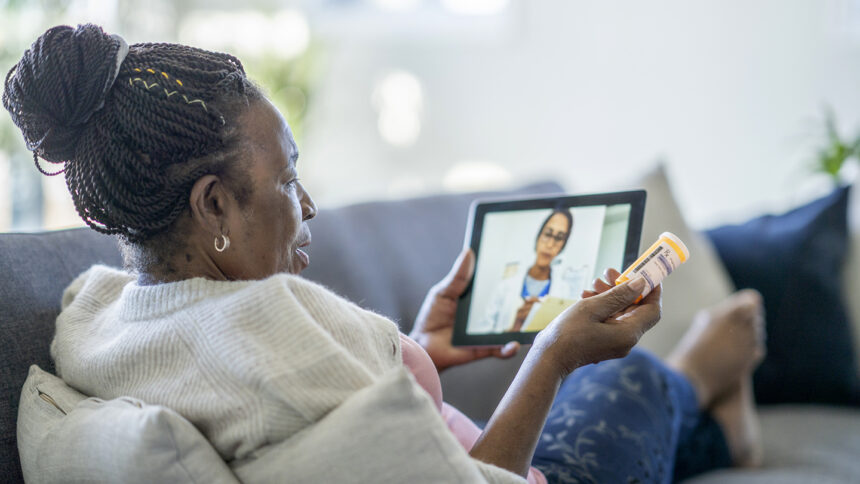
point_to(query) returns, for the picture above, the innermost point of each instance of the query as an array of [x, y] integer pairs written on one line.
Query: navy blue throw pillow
[[795, 260]]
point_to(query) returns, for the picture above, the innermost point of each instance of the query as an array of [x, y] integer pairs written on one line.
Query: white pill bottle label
[[657, 262]]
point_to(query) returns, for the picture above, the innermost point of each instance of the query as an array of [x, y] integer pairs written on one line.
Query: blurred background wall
[[397, 98]]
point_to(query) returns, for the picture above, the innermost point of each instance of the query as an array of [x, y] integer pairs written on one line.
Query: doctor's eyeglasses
[[556, 236]]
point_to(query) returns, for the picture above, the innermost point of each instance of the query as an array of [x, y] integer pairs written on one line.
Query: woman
[[177, 153], [513, 299]]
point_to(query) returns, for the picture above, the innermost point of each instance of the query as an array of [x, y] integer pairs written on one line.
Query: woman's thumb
[[619, 297], [461, 273]]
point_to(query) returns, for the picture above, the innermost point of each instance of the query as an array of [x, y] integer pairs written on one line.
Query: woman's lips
[[303, 256]]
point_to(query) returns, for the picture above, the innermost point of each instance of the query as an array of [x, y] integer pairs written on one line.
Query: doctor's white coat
[[507, 299]]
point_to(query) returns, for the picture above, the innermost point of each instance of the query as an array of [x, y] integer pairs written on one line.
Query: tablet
[[535, 256]]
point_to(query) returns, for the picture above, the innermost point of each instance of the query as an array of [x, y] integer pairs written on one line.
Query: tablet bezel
[[480, 208]]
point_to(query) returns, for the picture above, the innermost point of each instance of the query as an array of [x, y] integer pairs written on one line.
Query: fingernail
[[509, 347]]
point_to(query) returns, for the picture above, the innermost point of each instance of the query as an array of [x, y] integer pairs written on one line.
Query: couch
[[384, 256]]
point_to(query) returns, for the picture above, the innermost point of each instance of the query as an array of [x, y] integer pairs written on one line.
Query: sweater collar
[[146, 302]]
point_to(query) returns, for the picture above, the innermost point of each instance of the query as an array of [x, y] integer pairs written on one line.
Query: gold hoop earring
[[225, 243]]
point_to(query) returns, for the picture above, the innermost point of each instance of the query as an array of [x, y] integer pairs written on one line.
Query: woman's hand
[[434, 325], [604, 325], [601, 286]]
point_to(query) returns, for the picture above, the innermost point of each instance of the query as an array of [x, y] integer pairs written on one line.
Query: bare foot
[[723, 346], [718, 355], [735, 412]]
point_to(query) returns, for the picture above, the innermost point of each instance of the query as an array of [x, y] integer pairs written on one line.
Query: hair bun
[[61, 80]]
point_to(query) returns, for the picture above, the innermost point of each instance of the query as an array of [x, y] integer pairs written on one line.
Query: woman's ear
[[211, 204]]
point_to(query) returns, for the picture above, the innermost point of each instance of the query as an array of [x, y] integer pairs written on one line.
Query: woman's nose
[[309, 208]]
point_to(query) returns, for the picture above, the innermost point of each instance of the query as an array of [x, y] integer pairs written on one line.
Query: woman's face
[[272, 226], [551, 239]]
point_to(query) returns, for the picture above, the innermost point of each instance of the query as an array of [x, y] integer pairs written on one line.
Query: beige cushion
[[701, 282], [852, 269], [389, 432], [65, 437]]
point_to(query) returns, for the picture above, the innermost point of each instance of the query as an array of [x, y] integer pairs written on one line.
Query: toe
[[751, 296]]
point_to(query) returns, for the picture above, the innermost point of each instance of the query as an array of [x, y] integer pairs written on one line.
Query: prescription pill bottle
[[657, 262]]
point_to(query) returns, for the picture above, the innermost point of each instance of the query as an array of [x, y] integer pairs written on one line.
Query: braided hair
[[131, 147]]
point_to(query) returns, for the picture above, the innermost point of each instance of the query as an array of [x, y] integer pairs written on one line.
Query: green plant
[[830, 158]]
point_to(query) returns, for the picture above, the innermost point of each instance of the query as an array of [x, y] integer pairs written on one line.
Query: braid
[[131, 147]]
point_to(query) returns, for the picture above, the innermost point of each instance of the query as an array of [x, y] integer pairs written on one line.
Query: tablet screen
[[536, 256]]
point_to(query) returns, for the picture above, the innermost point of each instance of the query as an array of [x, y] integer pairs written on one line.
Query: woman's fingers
[[645, 314], [507, 351], [614, 300], [600, 286], [601, 327], [611, 275], [458, 278]]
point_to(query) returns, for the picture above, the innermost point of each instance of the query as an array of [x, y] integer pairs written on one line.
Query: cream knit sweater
[[248, 363]]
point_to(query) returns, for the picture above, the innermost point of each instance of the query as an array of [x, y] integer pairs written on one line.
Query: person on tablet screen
[[515, 297]]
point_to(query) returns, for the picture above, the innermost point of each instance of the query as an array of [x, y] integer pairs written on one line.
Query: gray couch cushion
[[36, 268], [802, 444]]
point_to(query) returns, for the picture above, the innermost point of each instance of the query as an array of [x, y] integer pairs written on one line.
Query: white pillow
[[699, 283], [388, 432], [65, 437]]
